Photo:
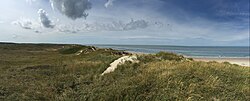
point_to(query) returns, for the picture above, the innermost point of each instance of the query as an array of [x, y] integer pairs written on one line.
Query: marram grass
[[55, 72]]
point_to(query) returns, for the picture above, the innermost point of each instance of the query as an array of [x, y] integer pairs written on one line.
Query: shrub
[[71, 49], [169, 56]]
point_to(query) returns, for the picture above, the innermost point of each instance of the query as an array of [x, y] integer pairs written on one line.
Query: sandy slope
[[119, 61]]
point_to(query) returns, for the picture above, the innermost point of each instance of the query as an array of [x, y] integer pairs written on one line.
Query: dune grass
[[55, 72]]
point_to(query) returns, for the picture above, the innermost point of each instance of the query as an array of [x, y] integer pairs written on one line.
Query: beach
[[233, 54], [233, 60], [238, 61]]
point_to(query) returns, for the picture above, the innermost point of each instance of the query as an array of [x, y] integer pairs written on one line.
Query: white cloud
[[44, 20], [109, 3], [83, 26], [29, 24], [112, 26], [135, 25], [24, 23]]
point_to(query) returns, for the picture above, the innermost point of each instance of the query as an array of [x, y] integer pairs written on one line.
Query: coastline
[[232, 60], [242, 61]]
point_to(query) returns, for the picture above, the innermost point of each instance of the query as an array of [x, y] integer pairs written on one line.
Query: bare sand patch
[[119, 61], [238, 61]]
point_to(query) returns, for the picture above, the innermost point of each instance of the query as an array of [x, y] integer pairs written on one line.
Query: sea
[[189, 51]]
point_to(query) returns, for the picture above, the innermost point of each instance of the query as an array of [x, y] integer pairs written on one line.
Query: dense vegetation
[[56, 72]]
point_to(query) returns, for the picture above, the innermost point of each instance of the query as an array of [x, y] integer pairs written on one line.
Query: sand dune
[[238, 61], [119, 61]]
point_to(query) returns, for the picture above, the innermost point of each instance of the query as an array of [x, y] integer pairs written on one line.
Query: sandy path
[[119, 61]]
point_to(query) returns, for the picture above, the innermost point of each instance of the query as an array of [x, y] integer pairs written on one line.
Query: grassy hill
[[59, 72]]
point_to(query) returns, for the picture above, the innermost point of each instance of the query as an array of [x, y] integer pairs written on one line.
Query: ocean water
[[192, 51]]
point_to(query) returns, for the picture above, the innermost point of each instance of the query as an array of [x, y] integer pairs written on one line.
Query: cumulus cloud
[[28, 24], [35, 25], [72, 8], [112, 26], [109, 3], [123, 26], [67, 28], [45, 21], [132, 25], [24, 23]]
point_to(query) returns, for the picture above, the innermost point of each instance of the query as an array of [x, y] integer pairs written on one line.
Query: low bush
[[71, 49]]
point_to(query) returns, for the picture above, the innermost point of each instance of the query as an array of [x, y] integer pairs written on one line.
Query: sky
[[131, 22]]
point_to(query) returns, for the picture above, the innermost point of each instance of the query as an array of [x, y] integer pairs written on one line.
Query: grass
[[55, 72]]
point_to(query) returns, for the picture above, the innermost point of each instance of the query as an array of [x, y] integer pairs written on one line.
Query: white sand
[[79, 52], [119, 61], [238, 61]]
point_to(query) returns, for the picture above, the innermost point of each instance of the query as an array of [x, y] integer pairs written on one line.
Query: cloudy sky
[[146, 22]]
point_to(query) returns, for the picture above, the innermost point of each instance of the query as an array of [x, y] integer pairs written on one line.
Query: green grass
[[71, 49], [55, 72]]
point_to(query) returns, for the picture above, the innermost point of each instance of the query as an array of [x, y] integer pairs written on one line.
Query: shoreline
[[242, 61], [238, 60]]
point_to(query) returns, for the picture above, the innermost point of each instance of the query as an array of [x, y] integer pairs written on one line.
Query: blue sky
[[146, 22]]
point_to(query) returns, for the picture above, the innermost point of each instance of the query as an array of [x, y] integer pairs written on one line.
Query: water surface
[[193, 51]]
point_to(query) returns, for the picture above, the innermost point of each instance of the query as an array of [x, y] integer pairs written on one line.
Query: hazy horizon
[[10, 42]]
